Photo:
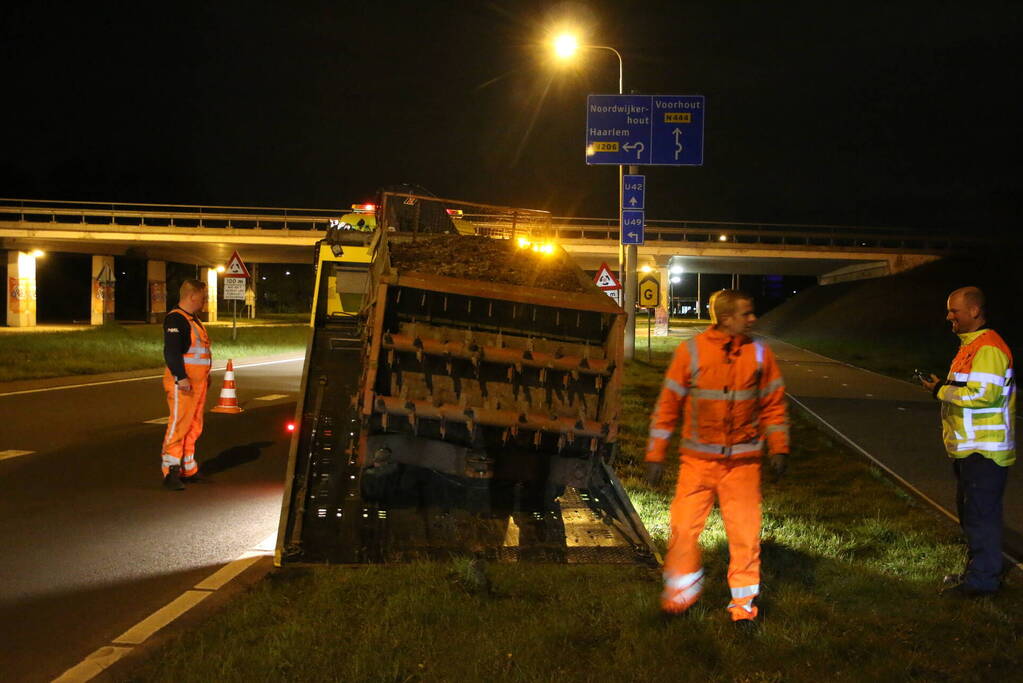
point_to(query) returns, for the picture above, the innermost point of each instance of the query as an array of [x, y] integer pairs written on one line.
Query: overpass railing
[[559, 228]]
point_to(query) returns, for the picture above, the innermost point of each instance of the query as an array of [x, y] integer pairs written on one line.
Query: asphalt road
[[92, 544]]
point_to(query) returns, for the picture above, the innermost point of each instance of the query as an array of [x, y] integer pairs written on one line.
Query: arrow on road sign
[[638, 146]]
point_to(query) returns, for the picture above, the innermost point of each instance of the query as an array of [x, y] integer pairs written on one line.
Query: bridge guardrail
[[559, 228]]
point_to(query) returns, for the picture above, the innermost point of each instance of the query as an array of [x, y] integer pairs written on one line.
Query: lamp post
[[565, 46]]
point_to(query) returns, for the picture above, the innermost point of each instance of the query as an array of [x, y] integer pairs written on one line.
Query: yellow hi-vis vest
[[978, 400]]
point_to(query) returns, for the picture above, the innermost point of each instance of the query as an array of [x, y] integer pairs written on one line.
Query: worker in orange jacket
[[186, 352], [729, 394]]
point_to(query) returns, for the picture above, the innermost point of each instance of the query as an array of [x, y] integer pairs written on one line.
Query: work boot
[[745, 626], [194, 479], [172, 480], [962, 590]]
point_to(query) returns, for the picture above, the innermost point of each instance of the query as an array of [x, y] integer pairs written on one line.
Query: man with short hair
[[978, 417], [186, 352], [728, 392]]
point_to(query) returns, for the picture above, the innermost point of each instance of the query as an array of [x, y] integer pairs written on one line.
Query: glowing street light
[[38, 253], [565, 45], [220, 269], [676, 270]]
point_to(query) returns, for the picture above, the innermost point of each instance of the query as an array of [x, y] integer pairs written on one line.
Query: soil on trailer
[[483, 258]]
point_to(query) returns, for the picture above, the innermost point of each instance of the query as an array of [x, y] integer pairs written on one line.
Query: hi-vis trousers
[[736, 483], [184, 425]]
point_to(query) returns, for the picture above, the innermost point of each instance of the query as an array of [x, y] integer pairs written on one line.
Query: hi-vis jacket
[[730, 395], [978, 400]]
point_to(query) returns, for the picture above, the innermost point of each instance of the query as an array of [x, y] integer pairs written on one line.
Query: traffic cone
[[228, 402]]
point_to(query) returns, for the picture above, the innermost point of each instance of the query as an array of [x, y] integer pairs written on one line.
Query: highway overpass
[[207, 235]]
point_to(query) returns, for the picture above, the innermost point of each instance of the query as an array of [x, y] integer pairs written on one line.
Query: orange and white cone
[[228, 402]]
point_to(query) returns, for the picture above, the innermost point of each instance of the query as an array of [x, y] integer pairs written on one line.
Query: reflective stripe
[[188, 459], [660, 433], [745, 591], [986, 378], [748, 606], [169, 460], [694, 361], [737, 449], [675, 387], [960, 376], [678, 581], [198, 350], [760, 353], [198, 361], [719, 395], [776, 428], [683, 589], [991, 446], [173, 422], [772, 386]]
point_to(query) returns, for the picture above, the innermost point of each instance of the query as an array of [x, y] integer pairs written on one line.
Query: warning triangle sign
[[235, 267], [605, 279]]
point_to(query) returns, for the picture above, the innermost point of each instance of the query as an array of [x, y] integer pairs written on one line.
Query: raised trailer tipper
[[460, 396]]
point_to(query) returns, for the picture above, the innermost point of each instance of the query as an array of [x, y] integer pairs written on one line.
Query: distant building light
[[676, 270], [287, 272], [675, 280], [220, 269], [264, 277], [646, 269], [38, 253], [722, 238]]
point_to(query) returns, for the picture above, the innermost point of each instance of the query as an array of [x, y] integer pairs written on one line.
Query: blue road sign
[[633, 192], [646, 130], [632, 226]]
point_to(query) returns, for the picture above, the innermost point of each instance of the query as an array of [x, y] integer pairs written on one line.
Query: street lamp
[[565, 47]]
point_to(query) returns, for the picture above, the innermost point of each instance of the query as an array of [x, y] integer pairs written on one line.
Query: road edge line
[[106, 656]]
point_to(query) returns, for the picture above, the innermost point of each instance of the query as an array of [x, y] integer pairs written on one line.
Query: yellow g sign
[[649, 292]]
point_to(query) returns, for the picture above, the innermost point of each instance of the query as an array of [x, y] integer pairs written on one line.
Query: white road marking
[[870, 396], [93, 665], [158, 421], [141, 631], [271, 397], [223, 575], [139, 379], [6, 455]]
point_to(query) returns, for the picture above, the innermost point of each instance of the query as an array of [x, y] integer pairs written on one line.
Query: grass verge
[[851, 567], [115, 348]]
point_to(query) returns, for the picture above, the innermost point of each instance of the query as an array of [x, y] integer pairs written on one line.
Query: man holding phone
[[978, 415]]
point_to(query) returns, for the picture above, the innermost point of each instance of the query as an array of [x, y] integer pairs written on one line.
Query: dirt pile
[[483, 258]]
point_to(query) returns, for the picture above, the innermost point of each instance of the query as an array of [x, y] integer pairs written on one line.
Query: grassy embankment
[[895, 324], [851, 567], [115, 348]]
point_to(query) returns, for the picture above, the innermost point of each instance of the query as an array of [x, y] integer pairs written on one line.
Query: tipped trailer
[[460, 396]]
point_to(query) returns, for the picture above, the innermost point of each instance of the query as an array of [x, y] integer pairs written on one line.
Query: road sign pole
[[624, 268], [629, 295], [234, 321]]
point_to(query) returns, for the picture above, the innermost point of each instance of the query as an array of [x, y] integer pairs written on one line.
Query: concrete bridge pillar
[[209, 276], [103, 286], [156, 277], [20, 289]]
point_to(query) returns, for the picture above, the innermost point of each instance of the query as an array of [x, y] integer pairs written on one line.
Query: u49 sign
[[646, 130]]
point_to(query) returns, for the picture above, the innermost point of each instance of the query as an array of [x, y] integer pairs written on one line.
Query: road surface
[[92, 544]]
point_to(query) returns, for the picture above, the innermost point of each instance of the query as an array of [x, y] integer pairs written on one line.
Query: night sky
[[859, 113]]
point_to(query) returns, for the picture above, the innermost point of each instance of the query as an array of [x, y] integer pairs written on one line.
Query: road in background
[[92, 543]]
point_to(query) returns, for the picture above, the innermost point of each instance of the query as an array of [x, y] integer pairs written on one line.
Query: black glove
[[779, 463], [654, 473]]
